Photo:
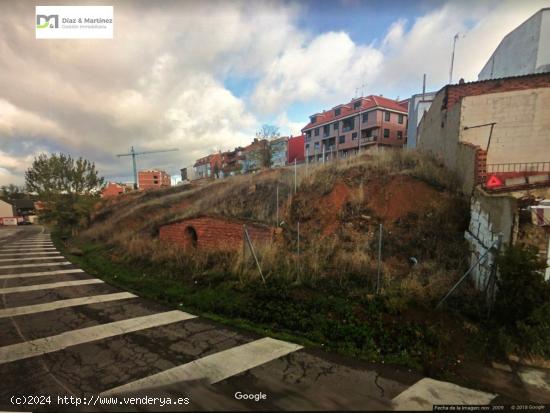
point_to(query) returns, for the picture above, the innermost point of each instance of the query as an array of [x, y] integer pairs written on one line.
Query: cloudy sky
[[203, 76]]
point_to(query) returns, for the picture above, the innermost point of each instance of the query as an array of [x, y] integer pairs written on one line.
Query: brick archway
[[191, 237]]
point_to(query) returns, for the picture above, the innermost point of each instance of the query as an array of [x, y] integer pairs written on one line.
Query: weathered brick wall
[[213, 233], [456, 92]]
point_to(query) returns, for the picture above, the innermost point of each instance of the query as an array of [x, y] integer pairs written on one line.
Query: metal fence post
[[379, 259], [295, 173], [253, 252], [277, 207]]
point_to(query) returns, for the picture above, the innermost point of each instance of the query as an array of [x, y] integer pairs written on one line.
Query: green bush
[[522, 305]]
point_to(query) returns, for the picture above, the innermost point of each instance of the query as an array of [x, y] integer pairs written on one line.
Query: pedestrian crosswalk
[[55, 305], [426, 393], [209, 365], [215, 367]]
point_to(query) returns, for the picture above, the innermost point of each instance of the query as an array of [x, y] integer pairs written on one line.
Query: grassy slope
[[340, 314]]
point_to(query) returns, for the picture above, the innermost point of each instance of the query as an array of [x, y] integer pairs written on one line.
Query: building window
[[386, 133], [308, 134], [369, 133], [335, 125], [357, 105], [342, 139], [399, 134], [316, 147], [348, 124], [365, 117], [313, 119], [337, 112], [326, 130], [307, 148], [354, 136], [387, 116], [400, 119], [316, 131], [308, 137]]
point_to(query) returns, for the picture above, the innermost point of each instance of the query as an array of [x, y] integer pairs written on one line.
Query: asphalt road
[[67, 334]]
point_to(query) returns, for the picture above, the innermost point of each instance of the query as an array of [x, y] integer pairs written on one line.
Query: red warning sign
[[493, 182]]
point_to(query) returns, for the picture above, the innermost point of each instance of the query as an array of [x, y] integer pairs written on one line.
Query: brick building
[[114, 189], [491, 127], [213, 233], [360, 124], [296, 147], [153, 179]]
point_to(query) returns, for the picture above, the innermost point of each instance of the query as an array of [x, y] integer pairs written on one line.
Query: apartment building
[[363, 123], [153, 179]]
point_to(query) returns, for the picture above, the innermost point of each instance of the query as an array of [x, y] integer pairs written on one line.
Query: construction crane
[[133, 154]]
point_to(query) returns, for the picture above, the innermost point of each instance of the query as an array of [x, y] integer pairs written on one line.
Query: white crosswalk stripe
[[427, 392], [28, 249], [49, 286], [31, 259], [30, 253], [31, 244], [215, 367], [45, 264], [55, 305], [40, 273], [85, 335]]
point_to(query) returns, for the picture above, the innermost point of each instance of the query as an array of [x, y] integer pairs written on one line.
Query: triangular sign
[[493, 182]]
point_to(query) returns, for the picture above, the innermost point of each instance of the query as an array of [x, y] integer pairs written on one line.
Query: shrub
[[522, 305]]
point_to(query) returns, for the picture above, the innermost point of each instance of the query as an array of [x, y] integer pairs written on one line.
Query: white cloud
[[159, 82], [326, 69]]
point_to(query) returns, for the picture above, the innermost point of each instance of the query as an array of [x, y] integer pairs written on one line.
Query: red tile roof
[[368, 102]]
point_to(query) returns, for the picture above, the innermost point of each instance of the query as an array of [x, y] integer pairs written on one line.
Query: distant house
[[23, 207], [208, 166], [361, 124], [418, 105], [296, 149], [114, 189], [153, 179], [6, 210], [253, 155], [232, 162], [279, 151]]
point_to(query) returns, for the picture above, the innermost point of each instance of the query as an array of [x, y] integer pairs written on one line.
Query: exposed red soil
[[332, 204], [397, 196]]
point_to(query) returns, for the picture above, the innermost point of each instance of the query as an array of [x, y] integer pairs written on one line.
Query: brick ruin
[[214, 233]]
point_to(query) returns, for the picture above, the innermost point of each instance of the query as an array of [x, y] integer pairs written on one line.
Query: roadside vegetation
[[327, 289]]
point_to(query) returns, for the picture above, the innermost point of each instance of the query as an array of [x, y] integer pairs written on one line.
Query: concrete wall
[[522, 132], [491, 217], [213, 233], [543, 58], [524, 50]]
